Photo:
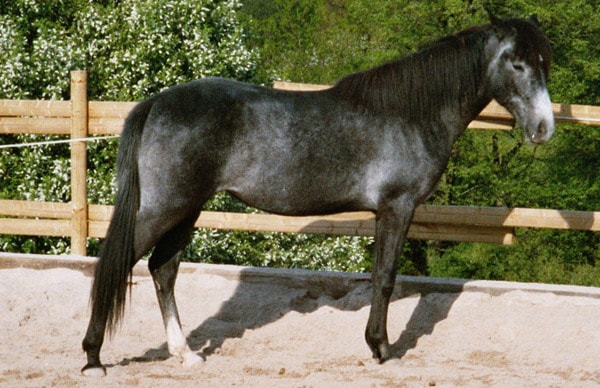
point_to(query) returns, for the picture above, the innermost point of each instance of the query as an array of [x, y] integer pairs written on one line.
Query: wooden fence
[[80, 220]]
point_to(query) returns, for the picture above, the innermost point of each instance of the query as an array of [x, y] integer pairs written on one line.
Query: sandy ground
[[258, 334]]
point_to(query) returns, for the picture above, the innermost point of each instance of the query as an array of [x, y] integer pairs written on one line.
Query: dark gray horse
[[378, 140]]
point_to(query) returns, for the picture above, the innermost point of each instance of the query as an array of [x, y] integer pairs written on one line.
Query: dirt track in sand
[[255, 332]]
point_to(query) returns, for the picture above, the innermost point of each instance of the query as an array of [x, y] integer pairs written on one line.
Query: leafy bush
[[132, 49]]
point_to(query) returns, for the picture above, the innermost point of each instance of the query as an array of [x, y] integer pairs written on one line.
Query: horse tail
[[117, 255]]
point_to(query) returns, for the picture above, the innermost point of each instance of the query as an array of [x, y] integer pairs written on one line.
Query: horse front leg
[[391, 228]]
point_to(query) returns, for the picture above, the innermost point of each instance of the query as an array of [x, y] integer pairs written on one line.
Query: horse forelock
[[531, 44], [418, 85]]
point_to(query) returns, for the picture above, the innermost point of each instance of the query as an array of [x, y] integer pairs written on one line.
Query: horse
[[378, 140]]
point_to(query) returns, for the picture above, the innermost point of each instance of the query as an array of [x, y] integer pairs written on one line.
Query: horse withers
[[378, 140]]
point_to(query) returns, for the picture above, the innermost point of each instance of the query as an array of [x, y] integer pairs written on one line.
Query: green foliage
[[487, 168], [281, 250], [544, 256], [137, 48], [133, 49], [335, 253], [560, 175], [319, 41]]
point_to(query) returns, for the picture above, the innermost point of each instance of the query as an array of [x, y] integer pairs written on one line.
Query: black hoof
[[381, 353]]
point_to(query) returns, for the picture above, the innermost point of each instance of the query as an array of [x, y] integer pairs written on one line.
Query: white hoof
[[94, 372], [191, 359]]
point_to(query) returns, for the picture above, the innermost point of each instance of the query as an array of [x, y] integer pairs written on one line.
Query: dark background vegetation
[[135, 48]]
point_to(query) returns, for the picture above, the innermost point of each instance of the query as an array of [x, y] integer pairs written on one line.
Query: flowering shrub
[[131, 50]]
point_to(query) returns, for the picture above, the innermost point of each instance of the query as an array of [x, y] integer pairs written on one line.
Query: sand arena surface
[[301, 330]]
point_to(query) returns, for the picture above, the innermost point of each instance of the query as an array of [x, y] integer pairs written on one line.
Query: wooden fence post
[[79, 130]]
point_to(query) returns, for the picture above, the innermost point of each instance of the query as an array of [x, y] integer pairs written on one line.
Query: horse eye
[[518, 67]]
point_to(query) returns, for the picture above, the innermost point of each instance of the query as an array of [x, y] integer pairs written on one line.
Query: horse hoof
[[382, 353], [93, 371], [192, 359]]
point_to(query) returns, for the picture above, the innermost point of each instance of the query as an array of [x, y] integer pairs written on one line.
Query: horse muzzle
[[541, 131], [538, 118]]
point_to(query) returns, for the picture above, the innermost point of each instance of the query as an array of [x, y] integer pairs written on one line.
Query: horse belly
[[284, 189]]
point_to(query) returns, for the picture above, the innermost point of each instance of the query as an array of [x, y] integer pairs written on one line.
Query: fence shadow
[[255, 304]]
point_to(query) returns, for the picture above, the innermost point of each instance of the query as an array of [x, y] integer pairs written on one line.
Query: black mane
[[410, 87]]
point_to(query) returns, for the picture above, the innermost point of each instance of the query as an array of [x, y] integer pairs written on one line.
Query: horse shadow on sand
[[263, 296]]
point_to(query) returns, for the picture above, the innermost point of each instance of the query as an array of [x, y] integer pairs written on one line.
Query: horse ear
[[497, 24], [534, 20]]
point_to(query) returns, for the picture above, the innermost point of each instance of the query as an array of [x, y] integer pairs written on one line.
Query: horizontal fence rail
[[80, 118], [482, 224]]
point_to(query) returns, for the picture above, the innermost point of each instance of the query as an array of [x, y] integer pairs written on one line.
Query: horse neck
[[445, 83], [458, 88]]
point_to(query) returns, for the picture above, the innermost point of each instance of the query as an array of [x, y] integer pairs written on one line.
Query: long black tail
[[117, 255]]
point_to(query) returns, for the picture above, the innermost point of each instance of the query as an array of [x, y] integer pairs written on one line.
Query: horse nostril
[[543, 133], [542, 129]]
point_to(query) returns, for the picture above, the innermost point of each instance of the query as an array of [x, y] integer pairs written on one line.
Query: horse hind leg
[[164, 264], [149, 227]]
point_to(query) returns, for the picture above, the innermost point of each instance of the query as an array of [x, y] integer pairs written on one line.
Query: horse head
[[519, 63]]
